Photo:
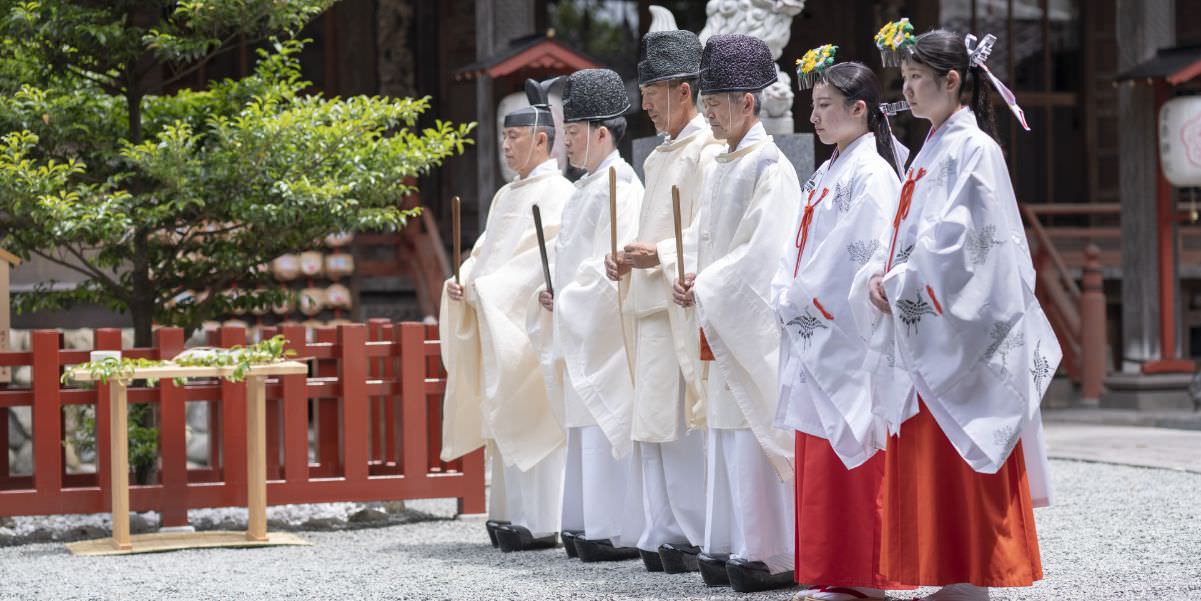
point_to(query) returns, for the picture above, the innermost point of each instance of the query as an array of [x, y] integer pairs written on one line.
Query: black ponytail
[[857, 82], [944, 51]]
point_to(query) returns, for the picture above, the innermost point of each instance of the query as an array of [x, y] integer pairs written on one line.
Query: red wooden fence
[[372, 403]]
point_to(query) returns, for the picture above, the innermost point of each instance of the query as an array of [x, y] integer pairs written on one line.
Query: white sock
[[959, 592], [870, 593]]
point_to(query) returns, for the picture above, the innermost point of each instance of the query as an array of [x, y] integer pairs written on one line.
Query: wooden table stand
[[256, 466]]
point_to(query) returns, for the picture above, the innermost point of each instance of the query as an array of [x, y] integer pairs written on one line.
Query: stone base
[[1147, 392], [799, 150]]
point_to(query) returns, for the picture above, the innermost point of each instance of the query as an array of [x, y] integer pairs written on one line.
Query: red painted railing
[[372, 403]]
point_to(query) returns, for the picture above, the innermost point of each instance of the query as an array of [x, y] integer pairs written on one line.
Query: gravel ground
[[318, 516], [1116, 532]]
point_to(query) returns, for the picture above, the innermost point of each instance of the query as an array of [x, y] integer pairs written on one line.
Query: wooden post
[[1092, 328], [105, 339], [1144, 28], [353, 383], [256, 458], [172, 411], [295, 400], [4, 467], [414, 409], [7, 260], [119, 437], [47, 417], [233, 425]]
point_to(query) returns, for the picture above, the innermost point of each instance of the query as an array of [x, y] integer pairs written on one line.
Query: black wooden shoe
[[569, 537], [678, 558], [713, 569], [602, 550], [518, 538], [651, 560], [492, 525], [754, 576]]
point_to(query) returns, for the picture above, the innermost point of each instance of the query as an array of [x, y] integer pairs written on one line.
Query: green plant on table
[[240, 358]]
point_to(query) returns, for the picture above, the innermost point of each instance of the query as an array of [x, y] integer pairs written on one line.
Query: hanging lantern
[[1180, 141], [312, 300], [286, 267], [339, 265], [312, 263], [337, 296]]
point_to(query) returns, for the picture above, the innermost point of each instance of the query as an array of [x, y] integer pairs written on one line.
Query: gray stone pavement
[[1163, 448], [1117, 531]]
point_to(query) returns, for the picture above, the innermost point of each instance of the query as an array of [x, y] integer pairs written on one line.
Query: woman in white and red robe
[[965, 464], [824, 395]]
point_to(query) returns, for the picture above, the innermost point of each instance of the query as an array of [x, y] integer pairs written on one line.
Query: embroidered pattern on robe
[[1042, 368], [1003, 343], [862, 251], [1005, 436], [913, 310], [980, 242], [946, 173], [806, 325], [842, 196]]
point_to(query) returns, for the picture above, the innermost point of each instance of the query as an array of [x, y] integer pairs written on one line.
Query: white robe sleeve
[[493, 389], [685, 332], [459, 346], [817, 312], [516, 404]]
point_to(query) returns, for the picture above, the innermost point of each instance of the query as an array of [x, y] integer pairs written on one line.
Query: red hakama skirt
[[945, 523], [838, 524]]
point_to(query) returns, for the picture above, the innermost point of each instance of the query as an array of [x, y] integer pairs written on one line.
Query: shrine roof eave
[[1175, 65]]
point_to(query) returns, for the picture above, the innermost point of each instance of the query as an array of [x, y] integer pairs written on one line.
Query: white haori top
[[966, 323], [582, 342], [747, 207], [493, 388], [824, 391], [681, 162]]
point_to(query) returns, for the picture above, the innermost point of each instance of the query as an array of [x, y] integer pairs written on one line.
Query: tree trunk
[[142, 306], [133, 101]]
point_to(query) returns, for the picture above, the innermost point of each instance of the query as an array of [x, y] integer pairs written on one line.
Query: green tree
[[150, 195]]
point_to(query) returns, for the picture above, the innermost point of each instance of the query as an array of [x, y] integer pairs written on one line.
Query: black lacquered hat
[[666, 55], [538, 113], [736, 63], [594, 95]]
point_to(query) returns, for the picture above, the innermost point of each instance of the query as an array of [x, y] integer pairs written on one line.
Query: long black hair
[[944, 51], [857, 82]]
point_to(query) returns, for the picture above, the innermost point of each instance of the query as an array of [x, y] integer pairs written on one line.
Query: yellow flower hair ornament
[[895, 41], [810, 67]]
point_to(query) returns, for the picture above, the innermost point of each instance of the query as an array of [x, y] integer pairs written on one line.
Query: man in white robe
[[579, 333], [667, 414], [494, 395], [747, 207]]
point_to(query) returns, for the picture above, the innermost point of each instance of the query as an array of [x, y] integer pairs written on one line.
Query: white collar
[[697, 123], [550, 165], [604, 164], [867, 139], [754, 135]]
